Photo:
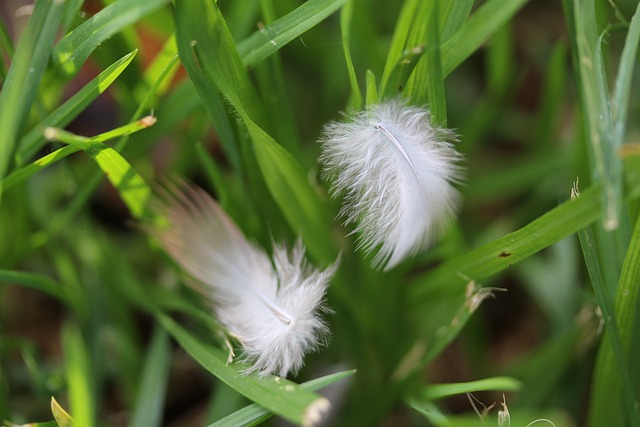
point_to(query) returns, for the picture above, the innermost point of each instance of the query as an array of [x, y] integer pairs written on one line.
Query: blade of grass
[[594, 93], [346, 17], [254, 414], [262, 43], [613, 382], [36, 281], [453, 15], [28, 65], [399, 40], [74, 48], [62, 417], [131, 187], [151, 395], [426, 85], [64, 114], [440, 391], [476, 31], [79, 377], [478, 264], [279, 395]]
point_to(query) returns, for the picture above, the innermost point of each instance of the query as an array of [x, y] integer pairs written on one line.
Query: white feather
[[272, 308], [396, 173]]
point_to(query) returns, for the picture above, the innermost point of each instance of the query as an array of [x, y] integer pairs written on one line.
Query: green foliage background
[[543, 97]]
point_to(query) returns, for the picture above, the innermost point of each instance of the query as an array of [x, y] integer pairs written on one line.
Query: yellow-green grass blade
[[79, 374]]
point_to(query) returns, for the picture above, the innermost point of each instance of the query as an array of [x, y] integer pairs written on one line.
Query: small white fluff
[[396, 173], [272, 308]]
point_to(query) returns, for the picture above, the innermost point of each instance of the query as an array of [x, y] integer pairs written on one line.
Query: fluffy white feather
[[396, 173], [271, 306]]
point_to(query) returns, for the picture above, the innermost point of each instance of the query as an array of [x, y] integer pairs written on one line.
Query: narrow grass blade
[[371, 89], [426, 85], [74, 48], [398, 46], [278, 395], [131, 187], [64, 114], [594, 93], [397, 79], [615, 385], [476, 31], [35, 281], [500, 254], [346, 17], [264, 42], [151, 394], [28, 65], [254, 414], [453, 16], [440, 391], [79, 377]]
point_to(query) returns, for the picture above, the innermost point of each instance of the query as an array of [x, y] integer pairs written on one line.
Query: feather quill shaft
[[272, 306], [396, 174]]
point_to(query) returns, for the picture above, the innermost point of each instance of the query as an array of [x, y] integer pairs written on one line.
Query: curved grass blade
[[273, 37], [476, 31], [278, 395], [74, 48], [35, 281], [131, 187], [346, 17], [64, 114], [254, 414]]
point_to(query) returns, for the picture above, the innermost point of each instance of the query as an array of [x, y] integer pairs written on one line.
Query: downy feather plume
[[396, 173], [271, 306]]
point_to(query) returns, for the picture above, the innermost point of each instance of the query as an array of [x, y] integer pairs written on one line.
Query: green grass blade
[[440, 391], [35, 281], [151, 395], [453, 15], [254, 414], [594, 93], [398, 46], [79, 377], [560, 222], [132, 188], [346, 17], [476, 31], [610, 377], [29, 63], [278, 395], [64, 114], [371, 89], [426, 85], [268, 40], [74, 48]]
